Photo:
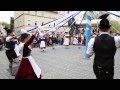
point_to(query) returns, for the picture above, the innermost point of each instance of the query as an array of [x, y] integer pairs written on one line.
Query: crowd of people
[[18, 49], [59, 38]]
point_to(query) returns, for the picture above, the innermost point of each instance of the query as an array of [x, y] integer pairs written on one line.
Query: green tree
[[115, 26], [6, 25]]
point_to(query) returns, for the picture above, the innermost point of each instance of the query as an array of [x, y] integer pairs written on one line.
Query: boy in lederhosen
[[10, 46]]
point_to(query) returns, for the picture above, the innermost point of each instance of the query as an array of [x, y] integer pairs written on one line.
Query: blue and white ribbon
[[87, 33]]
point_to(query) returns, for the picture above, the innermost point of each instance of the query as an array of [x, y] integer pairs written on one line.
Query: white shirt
[[92, 40], [8, 38]]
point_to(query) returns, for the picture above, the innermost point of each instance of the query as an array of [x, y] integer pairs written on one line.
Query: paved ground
[[60, 63]]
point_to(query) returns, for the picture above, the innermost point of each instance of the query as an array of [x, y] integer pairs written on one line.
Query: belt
[[25, 57]]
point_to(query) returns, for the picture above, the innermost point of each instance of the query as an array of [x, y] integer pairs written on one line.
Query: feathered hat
[[104, 23]]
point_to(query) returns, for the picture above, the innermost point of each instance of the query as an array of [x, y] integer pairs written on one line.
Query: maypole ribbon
[[58, 18], [67, 20], [45, 25], [51, 22]]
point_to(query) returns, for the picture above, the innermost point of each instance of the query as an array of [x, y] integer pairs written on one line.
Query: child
[[28, 68]]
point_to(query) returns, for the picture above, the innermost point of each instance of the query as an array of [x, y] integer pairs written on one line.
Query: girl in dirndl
[[75, 40], [66, 39], [28, 68], [42, 43]]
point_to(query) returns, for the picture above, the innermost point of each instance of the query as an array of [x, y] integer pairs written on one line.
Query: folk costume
[[104, 47], [28, 68], [10, 48], [66, 39]]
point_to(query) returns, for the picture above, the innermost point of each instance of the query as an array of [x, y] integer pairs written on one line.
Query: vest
[[104, 49], [10, 45]]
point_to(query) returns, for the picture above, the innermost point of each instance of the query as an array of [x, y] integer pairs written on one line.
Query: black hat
[[104, 23], [9, 31], [104, 16], [24, 36]]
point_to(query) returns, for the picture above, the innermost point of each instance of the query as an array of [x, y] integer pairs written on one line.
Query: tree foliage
[[6, 25], [115, 26]]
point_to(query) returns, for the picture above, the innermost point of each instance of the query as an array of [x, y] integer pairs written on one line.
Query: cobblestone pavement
[[61, 63]]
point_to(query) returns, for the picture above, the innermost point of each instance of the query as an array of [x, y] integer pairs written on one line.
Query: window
[[35, 23]]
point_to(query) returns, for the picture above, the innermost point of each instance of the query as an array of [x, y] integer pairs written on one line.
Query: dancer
[[75, 40], [66, 39], [42, 43], [53, 39], [10, 49], [17, 60], [104, 46], [28, 68], [1, 42]]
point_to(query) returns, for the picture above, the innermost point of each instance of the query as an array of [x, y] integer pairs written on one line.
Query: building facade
[[29, 19]]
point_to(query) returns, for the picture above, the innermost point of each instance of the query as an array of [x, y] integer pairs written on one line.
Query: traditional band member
[[28, 68]]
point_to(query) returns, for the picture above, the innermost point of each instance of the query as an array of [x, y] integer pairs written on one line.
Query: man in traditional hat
[[104, 47], [10, 46]]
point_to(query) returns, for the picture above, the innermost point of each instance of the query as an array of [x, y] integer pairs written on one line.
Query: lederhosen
[[104, 49], [10, 52]]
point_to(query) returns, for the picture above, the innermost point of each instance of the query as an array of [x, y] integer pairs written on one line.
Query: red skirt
[[26, 71]]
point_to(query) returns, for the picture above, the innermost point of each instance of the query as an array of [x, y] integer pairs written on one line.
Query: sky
[[5, 16]]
